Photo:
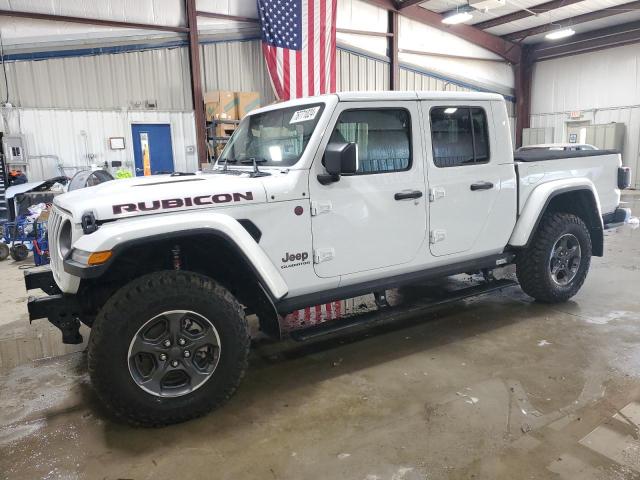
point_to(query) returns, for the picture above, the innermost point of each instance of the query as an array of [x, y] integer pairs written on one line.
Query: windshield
[[275, 138]]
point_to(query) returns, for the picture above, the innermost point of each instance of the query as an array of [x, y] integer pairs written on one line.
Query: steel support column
[[196, 81], [394, 65], [523, 77]]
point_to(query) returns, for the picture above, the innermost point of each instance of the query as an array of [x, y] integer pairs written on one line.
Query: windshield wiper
[[226, 162], [256, 172], [252, 160]]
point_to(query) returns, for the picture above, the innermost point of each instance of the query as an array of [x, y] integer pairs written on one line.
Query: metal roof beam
[[400, 5], [222, 16], [610, 37], [568, 22], [506, 49], [91, 21], [520, 14]]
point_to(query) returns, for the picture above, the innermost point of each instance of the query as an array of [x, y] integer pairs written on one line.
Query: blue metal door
[[152, 150]]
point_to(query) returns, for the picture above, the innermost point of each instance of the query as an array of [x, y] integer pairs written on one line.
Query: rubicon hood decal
[[169, 203], [161, 194]]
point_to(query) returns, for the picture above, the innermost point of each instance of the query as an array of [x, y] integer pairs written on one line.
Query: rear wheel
[[168, 347], [4, 251], [555, 265]]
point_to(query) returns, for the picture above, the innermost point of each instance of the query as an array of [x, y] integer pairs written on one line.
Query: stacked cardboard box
[[228, 105], [220, 105], [246, 101]]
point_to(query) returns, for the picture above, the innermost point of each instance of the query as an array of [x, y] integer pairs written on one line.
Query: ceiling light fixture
[[457, 17], [558, 34]]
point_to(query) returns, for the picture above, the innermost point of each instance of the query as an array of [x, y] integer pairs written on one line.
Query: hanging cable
[[4, 69]]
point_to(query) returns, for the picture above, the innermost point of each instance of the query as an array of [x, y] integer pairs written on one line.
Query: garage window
[[383, 138], [459, 136]]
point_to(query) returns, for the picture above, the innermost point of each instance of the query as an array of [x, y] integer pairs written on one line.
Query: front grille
[[53, 228]]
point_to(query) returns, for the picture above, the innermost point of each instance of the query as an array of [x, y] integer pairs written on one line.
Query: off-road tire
[[134, 304], [4, 251], [532, 264]]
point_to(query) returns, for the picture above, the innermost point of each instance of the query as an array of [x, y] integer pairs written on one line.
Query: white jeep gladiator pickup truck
[[312, 201]]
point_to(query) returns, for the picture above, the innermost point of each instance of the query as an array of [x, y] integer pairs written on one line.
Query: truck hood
[[162, 193]]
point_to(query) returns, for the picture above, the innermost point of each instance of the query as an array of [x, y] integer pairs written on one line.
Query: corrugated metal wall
[[360, 72], [412, 80], [122, 80], [102, 94], [630, 116], [237, 66], [129, 80], [604, 86], [73, 134]]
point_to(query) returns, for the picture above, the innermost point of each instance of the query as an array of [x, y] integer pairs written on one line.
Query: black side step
[[389, 314]]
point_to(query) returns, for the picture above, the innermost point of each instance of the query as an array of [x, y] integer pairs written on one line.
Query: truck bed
[[599, 166], [541, 155]]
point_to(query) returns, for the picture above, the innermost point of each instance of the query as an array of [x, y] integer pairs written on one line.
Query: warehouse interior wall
[[92, 83], [598, 87], [83, 140]]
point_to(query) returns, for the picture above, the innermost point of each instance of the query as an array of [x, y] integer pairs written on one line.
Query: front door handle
[[481, 186], [408, 195]]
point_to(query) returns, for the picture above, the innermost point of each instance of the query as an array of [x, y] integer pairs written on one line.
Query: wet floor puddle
[[35, 343]]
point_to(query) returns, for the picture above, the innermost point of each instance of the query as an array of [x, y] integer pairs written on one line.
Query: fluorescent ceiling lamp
[[457, 17], [557, 34], [450, 110]]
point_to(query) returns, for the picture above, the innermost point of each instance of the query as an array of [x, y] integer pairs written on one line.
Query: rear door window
[[459, 136]]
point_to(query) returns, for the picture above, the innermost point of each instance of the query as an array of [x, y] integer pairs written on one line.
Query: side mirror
[[339, 159]]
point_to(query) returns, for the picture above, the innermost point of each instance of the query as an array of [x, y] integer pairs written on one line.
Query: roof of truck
[[369, 96], [416, 94]]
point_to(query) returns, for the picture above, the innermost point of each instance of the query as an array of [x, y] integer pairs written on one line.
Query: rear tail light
[[624, 177]]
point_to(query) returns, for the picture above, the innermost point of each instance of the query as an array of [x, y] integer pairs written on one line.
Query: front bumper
[[60, 309], [616, 218]]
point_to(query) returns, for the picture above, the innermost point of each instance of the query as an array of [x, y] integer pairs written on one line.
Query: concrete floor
[[497, 387]]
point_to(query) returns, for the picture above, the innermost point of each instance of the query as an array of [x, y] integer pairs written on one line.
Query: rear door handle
[[481, 186], [408, 195]]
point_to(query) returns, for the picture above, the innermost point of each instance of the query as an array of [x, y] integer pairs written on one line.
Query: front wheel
[[554, 267], [168, 347]]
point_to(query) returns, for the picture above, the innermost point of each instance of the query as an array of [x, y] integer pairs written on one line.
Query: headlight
[[64, 238], [90, 258]]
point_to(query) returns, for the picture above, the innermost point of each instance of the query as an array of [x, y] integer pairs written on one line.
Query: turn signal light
[[97, 258]]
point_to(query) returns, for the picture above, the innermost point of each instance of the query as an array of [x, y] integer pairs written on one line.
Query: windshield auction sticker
[[304, 115]]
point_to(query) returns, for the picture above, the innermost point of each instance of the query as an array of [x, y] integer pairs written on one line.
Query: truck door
[[472, 185], [377, 217]]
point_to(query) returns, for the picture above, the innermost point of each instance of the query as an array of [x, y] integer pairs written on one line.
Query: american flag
[[299, 45]]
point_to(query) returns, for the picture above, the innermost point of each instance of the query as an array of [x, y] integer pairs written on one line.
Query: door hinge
[[436, 193], [436, 236], [323, 255], [320, 207]]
